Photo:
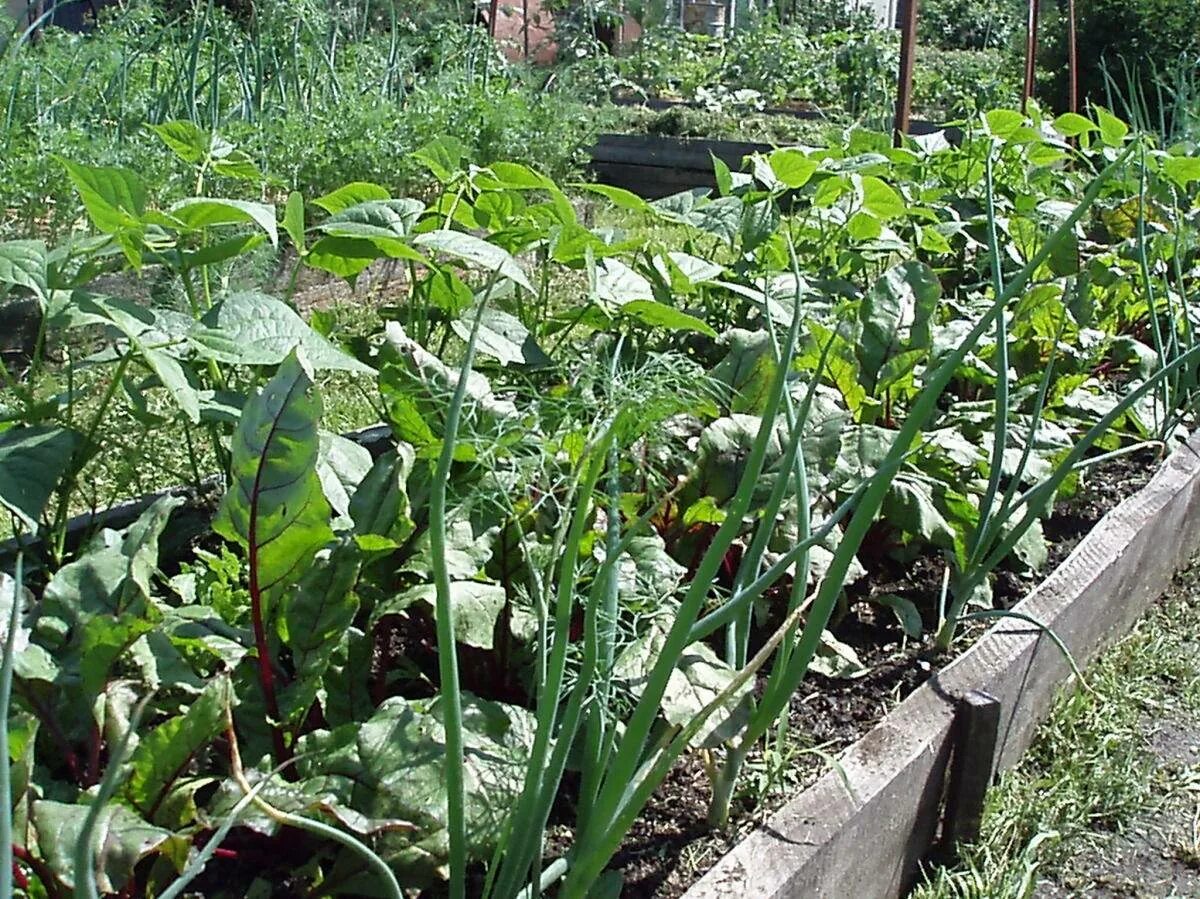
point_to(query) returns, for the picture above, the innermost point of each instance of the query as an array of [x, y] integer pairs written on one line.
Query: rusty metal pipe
[[1031, 39], [908, 49], [1072, 59]]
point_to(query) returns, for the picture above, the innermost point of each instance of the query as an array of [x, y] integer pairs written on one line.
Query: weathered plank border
[[189, 521], [654, 166], [862, 831]]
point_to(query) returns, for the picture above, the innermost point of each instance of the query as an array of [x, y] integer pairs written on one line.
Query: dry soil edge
[[863, 831]]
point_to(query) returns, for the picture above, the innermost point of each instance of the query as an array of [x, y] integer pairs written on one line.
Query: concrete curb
[[862, 832]]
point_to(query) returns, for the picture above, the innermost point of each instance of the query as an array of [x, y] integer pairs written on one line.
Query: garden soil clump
[[671, 845]]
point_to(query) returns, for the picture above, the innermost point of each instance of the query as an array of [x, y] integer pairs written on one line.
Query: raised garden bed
[[658, 165], [420, 584], [918, 776]]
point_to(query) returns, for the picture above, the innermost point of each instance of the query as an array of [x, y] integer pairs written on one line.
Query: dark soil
[[671, 844]]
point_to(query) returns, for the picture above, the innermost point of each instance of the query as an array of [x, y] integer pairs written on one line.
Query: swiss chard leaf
[[315, 618], [896, 313], [165, 750], [123, 839], [275, 506], [392, 767]]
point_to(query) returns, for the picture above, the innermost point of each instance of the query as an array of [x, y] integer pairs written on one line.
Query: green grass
[[1090, 771]]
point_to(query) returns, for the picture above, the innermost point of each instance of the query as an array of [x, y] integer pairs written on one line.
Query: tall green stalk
[[452, 715], [6, 680]]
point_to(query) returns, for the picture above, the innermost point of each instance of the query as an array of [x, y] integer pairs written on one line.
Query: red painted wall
[[510, 30]]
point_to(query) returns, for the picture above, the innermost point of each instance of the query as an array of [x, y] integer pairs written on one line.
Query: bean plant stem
[[68, 485]]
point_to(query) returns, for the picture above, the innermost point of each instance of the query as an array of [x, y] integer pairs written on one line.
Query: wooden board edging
[[862, 832], [189, 521]]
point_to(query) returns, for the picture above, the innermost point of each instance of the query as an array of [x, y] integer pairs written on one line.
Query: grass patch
[[1091, 771]]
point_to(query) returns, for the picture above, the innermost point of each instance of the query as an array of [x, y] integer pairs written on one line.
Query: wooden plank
[[976, 733], [188, 521], [672, 152], [653, 182], [887, 792]]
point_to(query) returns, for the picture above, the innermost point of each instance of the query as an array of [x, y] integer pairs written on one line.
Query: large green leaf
[[896, 313], [314, 620], [501, 336], [115, 198], [475, 250], [722, 218], [759, 221], [1181, 169], [174, 378], [746, 370], [351, 194], [30, 660], [646, 571], [910, 505], [114, 571], [380, 505], [618, 196], [199, 213], [186, 140], [725, 449], [275, 506], [23, 263], [467, 552], [251, 328], [341, 465], [393, 767], [476, 606], [345, 257], [104, 640], [659, 315], [166, 749], [881, 200], [364, 231], [157, 335], [388, 218], [293, 221], [32, 461], [618, 284], [792, 167], [122, 840], [683, 271], [698, 678]]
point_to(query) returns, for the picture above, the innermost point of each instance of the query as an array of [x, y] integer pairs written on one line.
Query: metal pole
[[1072, 58], [908, 49], [525, 19], [1031, 37]]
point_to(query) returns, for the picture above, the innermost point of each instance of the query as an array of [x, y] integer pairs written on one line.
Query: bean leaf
[[32, 462]]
